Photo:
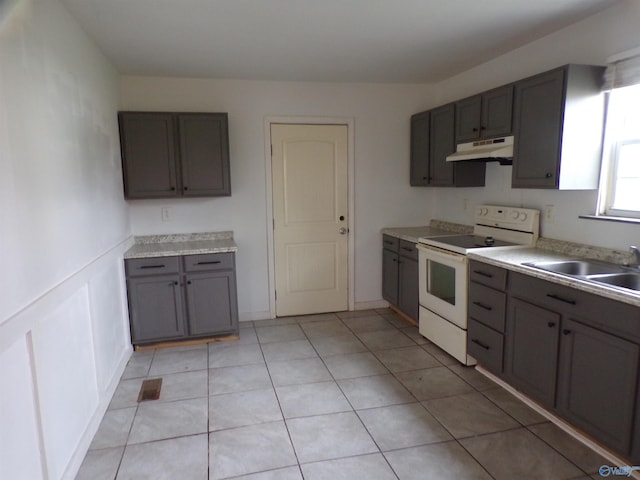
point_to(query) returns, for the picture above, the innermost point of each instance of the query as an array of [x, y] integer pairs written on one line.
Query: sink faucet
[[636, 251]]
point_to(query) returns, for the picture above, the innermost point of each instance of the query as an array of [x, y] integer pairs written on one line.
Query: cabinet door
[[442, 144], [597, 383], [390, 276], [532, 350], [468, 119], [497, 112], [408, 290], [419, 166], [211, 302], [204, 154], [148, 155], [538, 109], [155, 308]]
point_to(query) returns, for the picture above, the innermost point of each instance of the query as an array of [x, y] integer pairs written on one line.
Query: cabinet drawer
[[390, 243], [408, 249], [487, 305], [151, 266], [490, 275], [210, 261], [485, 345], [608, 315]]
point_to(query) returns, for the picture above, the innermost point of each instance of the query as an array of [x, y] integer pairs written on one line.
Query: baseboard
[[250, 316], [371, 305], [613, 458]]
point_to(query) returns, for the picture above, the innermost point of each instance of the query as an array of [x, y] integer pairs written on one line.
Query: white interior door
[[310, 211]]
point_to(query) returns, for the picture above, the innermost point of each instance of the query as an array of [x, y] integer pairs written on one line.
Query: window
[[619, 193]]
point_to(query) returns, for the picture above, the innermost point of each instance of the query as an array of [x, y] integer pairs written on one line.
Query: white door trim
[[349, 122]]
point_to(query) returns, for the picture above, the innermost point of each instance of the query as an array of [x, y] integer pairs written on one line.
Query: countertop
[[435, 228], [512, 259], [181, 244]]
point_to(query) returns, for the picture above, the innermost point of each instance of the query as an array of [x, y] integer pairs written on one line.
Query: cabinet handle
[[188, 282], [407, 249], [480, 344], [483, 274], [566, 332], [560, 299], [173, 284], [548, 175], [482, 305], [551, 324], [212, 262], [144, 267], [186, 188]]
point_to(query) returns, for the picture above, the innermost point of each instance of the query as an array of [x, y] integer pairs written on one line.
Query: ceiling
[[387, 41]]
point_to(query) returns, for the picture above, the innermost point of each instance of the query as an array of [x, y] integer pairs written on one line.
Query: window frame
[[612, 143]]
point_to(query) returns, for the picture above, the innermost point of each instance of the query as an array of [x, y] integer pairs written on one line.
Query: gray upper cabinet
[[168, 155], [486, 115], [442, 143], [557, 124], [432, 139], [149, 162], [419, 163]]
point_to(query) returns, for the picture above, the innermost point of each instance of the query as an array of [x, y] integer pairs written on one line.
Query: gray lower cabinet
[[597, 379], [198, 297], [155, 308], [531, 352], [574, 352], [400, 275]]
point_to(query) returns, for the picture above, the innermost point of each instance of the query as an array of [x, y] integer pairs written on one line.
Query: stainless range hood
[[495, 149]]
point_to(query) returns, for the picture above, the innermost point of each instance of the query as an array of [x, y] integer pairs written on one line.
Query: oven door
[[442, 280]]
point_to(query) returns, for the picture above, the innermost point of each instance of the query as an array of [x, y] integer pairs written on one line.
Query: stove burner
[[489, 241]]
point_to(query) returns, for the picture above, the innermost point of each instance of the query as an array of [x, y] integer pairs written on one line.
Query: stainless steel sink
[[629, 280], [577, 268], [593, 271]]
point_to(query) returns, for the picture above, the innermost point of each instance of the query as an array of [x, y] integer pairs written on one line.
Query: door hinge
[[274, 223], [275, 293], [272, 149]]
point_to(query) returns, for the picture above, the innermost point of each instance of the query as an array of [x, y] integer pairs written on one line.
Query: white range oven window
[[443, 283]]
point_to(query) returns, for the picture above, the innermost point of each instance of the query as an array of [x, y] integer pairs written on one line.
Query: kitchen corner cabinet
[[400, 275], [171, 155], [486, 115], [558, 119], [432, 139], [180, 297]]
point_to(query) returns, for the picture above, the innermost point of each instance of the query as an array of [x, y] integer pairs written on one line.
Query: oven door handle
[[432, 253]]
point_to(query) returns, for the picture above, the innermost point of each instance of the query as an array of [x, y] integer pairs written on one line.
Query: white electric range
[[443, 271]]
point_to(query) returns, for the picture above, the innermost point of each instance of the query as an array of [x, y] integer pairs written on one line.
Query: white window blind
[[623, 70]]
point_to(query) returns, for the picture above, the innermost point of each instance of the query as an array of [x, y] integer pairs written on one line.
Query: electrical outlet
[[549, 213], [165, 214]]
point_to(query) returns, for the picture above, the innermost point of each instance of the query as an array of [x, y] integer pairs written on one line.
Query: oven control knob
[[489, 241], [483, 211], [515, 214], [523, 216]]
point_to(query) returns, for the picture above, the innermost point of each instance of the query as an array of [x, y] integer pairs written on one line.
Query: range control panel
[[512, 218]]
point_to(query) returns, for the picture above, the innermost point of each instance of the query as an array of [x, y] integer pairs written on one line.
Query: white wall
[[63, 227], [590, 41], [383, 196]]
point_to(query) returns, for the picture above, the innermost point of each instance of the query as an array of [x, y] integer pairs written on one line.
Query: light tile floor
[[352, 395]]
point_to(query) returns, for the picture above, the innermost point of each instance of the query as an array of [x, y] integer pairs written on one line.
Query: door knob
[[342, 231]]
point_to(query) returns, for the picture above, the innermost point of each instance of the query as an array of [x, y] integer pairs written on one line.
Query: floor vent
[[150, 389]]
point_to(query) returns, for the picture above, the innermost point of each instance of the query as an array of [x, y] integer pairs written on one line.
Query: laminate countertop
[[181, 244], [513, 259]]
